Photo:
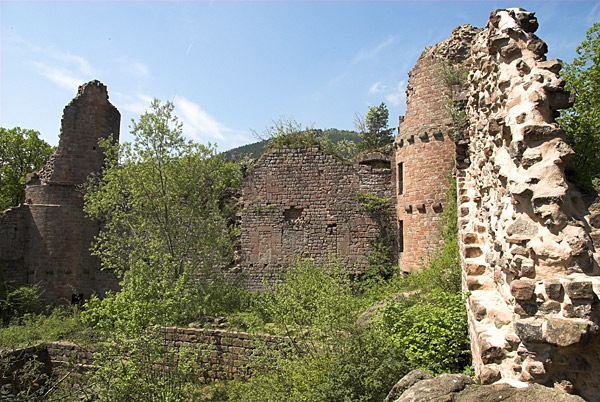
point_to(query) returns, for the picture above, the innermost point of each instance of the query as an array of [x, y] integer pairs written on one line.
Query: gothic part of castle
[[527, 240]]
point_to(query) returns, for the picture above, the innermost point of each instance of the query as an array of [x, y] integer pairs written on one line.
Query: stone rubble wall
[[303, 204], [527, 255], [425, 149], [222, 355]]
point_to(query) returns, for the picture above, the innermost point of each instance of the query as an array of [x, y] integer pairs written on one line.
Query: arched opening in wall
[[400, 176], [400, 236]]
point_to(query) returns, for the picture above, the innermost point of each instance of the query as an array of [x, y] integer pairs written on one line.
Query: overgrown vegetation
[[453, 76], [287, 133], [372, 202], [165, 233], [21, 152], [582, 121]]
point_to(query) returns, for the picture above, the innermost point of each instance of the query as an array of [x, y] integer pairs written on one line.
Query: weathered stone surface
[[580, 290], [563, 332], [460, 388], [522, 289], [506, 393], [406, 382], [438, 389], [529, 331]]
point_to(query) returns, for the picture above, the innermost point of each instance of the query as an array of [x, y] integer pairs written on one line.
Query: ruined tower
[[425, 148], [48, 239]]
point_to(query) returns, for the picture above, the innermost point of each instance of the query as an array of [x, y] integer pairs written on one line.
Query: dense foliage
[[21, 152], [165, 225], [166, 233], [374, 129], [582, 121], [329, 356]]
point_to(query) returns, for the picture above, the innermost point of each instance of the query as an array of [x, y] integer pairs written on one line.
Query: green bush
[[16, 302], [431, 331], [60, 323], [329, 357]]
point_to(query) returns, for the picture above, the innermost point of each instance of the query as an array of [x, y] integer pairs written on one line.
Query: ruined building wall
[[48, 238], [303, 204], [425, 150], [526, 250]]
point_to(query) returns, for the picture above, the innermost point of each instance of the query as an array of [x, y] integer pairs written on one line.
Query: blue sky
[[232, 66]]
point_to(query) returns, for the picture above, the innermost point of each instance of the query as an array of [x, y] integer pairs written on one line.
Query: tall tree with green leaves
[[21, 151], [374, 128], [582, 121], [164, 225]]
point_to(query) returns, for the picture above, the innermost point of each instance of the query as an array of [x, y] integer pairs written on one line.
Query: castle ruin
[[527, 241]]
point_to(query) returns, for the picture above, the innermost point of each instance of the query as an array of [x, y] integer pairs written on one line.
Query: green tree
[[165, 228], [582, 121], [21, 152], [374, 128]]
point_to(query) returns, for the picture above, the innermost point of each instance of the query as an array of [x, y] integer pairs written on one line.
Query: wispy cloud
[[377, 88], [367, 54], [397, 97], [197, 123], [63, 68], [61, 77], [136, 104]]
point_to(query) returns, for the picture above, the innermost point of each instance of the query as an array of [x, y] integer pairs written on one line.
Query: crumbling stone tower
[[425, 149], [47, 240]]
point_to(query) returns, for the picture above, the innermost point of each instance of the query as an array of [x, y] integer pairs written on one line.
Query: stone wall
[[222, 354], [13, 234], [47, 240], [303, 204], [528, 258]]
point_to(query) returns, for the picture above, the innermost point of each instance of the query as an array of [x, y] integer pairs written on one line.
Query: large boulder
[[461, 388]]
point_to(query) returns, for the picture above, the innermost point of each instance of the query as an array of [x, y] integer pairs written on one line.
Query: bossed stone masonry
[[528, 258]]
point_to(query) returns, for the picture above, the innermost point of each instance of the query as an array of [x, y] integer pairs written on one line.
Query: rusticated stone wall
[[46, 241], [424, 150], [303, 204], [528, 258]]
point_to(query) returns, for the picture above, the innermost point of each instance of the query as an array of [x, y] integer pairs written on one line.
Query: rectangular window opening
[[400, 236], [401, 178]]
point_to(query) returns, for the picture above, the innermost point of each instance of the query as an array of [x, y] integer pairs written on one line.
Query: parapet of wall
[[528, 259], [47, 240], [425, 149], [303, 204]]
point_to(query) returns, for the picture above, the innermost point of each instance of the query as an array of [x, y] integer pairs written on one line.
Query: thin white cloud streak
[[61, 77], [373, 52]]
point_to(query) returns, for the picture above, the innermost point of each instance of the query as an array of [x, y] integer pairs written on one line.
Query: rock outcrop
[[461, 388]]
